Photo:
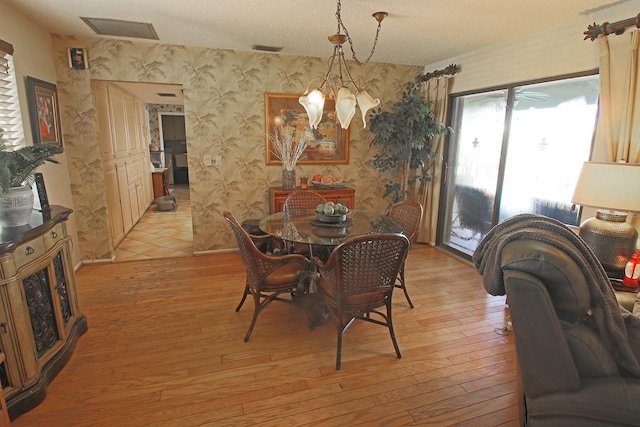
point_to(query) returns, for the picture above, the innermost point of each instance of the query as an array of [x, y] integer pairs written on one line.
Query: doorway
[[173, 144], [159, 234]]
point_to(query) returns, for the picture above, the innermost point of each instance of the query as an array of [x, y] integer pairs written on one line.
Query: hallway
[[161, 234]]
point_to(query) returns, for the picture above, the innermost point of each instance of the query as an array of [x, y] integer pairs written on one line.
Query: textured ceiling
[[416, 32]]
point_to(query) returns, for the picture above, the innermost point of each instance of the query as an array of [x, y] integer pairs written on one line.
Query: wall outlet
[[207, 160], [218, 160]]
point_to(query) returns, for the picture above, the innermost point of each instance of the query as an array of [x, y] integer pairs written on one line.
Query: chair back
[[368, 263], [303, 202], [256, 263], [408, 214]]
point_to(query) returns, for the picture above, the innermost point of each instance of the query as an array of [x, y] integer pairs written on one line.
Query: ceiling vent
[[118, 28], [263, 48]]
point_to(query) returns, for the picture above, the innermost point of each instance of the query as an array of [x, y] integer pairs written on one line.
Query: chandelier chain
[[346, 33]]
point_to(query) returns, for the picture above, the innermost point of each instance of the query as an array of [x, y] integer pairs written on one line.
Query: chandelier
[[338, 84]]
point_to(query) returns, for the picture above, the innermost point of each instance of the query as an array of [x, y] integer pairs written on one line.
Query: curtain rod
[[450, 70], [617, 28]]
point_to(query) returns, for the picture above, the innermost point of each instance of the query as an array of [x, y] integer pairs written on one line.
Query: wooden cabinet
[[40, 318], [123, 134], [346, 196], [160, 183]]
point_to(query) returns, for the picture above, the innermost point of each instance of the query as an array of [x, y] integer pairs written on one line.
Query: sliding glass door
[[515, 150]]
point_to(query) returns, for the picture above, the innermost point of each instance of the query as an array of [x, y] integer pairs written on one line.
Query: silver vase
[[288, 179]]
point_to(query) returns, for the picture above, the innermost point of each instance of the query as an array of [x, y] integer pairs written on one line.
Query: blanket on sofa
[[619, 328]]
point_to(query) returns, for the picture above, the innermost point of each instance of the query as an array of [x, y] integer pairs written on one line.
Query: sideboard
[[40, 318], [346, 196]]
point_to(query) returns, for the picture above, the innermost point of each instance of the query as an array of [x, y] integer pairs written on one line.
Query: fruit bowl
[[328, 186], [336, 218]]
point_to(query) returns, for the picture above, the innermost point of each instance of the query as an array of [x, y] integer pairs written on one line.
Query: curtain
[[618, 129], [428, 195]]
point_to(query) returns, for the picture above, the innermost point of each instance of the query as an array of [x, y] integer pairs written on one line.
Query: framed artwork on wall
[[329, 142], [44, 112], [78, 58]]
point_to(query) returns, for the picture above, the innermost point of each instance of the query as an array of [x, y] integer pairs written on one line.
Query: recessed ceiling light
[[118, 28]]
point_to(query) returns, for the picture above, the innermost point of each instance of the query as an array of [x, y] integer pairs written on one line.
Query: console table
[[346, 196], [40, 319]]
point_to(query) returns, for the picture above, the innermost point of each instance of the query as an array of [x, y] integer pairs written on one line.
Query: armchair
[[358, 279], [267, 276], [408, 214], [575, 355]]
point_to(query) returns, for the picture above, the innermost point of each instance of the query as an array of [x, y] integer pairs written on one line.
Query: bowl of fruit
[[327, 182], [332, 212]]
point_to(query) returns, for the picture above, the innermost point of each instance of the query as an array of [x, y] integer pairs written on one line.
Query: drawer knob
[[29, 250], [54, 235]]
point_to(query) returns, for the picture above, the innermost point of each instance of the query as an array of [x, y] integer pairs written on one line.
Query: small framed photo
[[44, 112], [78, 58]]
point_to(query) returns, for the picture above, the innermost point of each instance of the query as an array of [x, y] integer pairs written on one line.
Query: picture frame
[[329, 144], [44, 112], [77, 58]]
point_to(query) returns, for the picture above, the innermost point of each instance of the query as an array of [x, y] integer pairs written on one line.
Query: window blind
[[10, 119]]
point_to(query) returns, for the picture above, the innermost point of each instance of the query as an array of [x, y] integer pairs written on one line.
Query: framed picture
[[329, 144], [44, 112], [78, 58]]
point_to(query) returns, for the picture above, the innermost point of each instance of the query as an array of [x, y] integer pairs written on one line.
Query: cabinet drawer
[[28, 252], [53, 236]]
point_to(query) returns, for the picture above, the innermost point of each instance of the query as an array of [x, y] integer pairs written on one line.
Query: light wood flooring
[[161, 234], [165, 348]]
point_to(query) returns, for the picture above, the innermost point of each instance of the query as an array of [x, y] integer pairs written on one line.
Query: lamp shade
[[313, 103], [608, 186], [345, 106]]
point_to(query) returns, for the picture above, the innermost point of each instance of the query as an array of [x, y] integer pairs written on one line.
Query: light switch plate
[[207, 160]]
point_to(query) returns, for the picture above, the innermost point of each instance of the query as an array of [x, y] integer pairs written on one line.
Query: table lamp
[[611, 189]]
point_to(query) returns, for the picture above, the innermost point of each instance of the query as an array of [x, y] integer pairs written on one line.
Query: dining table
[[312, 230]]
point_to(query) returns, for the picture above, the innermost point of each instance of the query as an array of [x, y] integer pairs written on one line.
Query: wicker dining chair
[[267, 276], [358, 279], [408, 214], [302, 202]]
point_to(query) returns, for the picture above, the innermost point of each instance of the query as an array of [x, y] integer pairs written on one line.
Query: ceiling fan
[[522, 95]]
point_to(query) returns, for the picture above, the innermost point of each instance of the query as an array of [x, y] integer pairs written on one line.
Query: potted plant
[[16, 178], [404, 136]]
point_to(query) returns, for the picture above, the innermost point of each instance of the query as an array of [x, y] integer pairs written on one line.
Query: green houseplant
[[16, 178], [404, 137]]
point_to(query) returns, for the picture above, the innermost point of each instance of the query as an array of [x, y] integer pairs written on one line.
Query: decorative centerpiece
[[331, 212], [16, 178], [289, 150]]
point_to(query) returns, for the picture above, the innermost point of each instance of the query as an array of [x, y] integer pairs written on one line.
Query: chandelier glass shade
[[338, 83]]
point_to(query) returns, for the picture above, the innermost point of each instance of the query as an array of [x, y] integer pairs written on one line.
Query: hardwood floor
[[165, 348]]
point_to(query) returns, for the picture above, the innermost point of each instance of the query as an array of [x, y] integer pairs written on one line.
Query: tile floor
[[161, 234]]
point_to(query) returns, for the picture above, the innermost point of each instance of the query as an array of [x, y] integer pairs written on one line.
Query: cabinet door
[[9, 372], [113, 205], [125, 203], [133, 202], [103, 113], [119, 120]]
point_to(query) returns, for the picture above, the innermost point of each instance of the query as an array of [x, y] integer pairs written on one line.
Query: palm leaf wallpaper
[[224, 115]]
